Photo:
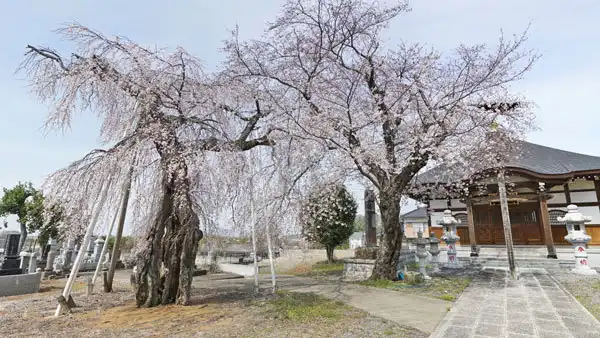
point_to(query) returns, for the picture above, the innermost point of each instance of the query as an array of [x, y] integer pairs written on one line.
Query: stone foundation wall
[[361, 269], [357, 269], [20, 284]]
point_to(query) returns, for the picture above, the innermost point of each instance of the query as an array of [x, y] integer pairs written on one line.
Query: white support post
[[253, 223], [271, 262], [86, 241]]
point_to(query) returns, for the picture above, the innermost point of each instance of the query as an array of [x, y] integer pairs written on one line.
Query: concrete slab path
[[535, 305]]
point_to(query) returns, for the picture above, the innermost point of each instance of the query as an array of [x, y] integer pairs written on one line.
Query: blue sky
[[563, 84]]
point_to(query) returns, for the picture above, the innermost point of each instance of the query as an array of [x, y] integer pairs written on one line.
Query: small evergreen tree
[[27, 203], [327, 217]]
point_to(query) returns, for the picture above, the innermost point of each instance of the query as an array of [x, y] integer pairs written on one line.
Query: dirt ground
[[213, 313]]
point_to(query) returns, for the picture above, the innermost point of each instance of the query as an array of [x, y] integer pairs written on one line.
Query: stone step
[[519, 262]]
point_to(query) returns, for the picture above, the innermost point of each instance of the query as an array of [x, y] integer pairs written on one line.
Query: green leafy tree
[[328, 216], [43, 218], [15, 202], [27, 203], [127, 243]]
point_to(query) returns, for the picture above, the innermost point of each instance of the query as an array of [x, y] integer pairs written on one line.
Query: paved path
[[535, 305], [405, 309]]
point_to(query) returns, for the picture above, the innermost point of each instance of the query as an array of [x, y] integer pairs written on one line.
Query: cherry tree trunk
[[166, 265], [391, 243]]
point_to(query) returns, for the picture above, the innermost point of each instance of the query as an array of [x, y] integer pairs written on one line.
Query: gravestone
[[10, 265], [370, 230]]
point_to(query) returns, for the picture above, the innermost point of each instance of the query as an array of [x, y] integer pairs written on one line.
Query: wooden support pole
[[86, 242], [116, 252], [99, 264], [471, 221], [506, 223], [545, 218]]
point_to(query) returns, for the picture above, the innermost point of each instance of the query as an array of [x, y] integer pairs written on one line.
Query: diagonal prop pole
[[112, 224], [86, 242], [506, 223]]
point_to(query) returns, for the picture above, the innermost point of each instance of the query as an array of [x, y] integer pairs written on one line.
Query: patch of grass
[[320, 269], [446, 288], [305, 307], [586, 291], [389, 332], [447, 297]]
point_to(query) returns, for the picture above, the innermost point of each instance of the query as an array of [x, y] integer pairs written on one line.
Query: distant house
[[357, 240], [414, 220]]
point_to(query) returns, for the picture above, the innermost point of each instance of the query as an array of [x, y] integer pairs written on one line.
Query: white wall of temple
[[581, 184], [435, 217], [455, 203], [558, 197], [438, 204], [593, 212], [583, 196]]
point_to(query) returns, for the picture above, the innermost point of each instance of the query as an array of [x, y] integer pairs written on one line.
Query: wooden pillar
[[545, 218], [471, 224]]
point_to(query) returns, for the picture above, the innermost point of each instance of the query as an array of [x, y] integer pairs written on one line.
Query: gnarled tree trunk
[[391, 243], [166, 266]]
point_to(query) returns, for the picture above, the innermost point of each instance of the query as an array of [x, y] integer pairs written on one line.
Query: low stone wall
[[357, 269], [20, 284], [361, 269], [246, 270]]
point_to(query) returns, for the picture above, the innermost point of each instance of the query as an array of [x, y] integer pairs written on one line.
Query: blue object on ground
[[400, 275]]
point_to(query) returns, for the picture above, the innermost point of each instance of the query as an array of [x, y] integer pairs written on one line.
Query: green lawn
[[318, 270], [303, 307], [446, 287]]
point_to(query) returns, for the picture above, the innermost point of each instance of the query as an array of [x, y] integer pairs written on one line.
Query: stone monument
[[52, 253], [98, 245], [577, 236], [370, 229], [9, 249]]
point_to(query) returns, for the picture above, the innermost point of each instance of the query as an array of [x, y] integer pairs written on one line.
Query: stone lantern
[[577, 236], [450, 237], [422, 254], [434, 250]]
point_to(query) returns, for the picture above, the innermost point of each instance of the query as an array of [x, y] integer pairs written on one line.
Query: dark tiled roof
[[417, 213], [536, 158]]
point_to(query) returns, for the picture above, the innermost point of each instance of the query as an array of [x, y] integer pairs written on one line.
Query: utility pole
[[116, 251], [506, 223]]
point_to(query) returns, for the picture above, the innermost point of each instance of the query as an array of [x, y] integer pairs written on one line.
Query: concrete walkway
[[405, 309], [535, 305]]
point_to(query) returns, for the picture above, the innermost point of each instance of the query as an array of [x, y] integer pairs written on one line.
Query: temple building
[[540, 183]]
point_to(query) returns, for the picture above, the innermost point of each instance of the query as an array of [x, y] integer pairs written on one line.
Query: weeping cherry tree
[[161, 109]]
